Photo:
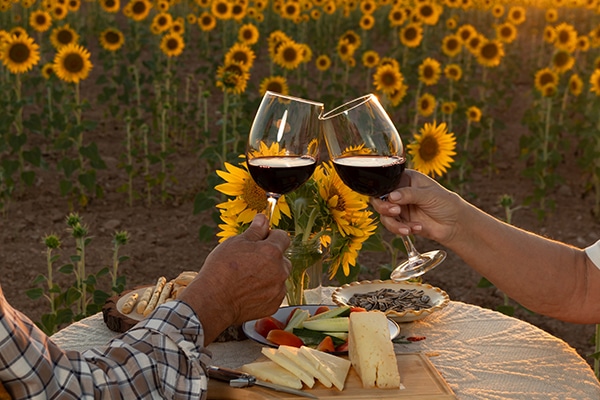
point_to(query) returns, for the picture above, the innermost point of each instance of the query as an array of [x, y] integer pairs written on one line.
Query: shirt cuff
[[593, 252]]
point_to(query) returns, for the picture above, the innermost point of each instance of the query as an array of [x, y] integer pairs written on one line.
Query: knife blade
[[239, 379]]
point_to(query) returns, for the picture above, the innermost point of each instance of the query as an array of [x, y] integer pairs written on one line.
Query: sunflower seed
[[389, 299]]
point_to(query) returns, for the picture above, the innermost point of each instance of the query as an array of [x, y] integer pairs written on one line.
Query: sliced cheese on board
[[334, 367], [270, 371], [296, 356], [286, 363], [371, 351]]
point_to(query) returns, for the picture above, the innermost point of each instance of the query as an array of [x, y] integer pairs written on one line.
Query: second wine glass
[[283, 145], [368, 155]]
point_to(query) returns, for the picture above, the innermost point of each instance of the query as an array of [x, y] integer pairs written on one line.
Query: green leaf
[[484, 283], [91, 153], [506, 310], [72, 295], [122, 259], [64, 316], [34, 293], [66, 269], [104, 271], [203, 202], [33, 156], [65, 187], [28, 177], [39, 279], [88, 180], [49, 323], [100, 297]]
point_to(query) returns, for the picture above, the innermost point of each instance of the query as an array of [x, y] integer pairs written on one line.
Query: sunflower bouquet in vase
[[328, 222]]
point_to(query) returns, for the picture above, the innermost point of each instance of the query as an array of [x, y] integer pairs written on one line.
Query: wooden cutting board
[[418, 375]]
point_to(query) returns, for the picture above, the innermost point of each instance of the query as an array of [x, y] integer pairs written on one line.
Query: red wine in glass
[[281, 174], [373, 176]]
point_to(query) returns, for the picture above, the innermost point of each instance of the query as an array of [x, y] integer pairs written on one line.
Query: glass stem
[[272, 199], [411, 252]]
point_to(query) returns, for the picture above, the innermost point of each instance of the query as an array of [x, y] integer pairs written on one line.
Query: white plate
[[284, 312], [439, 298]]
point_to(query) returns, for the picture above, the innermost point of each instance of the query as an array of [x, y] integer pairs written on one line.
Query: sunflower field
[[182, 75]]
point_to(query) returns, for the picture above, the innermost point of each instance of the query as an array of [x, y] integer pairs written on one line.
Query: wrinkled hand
[[420, 206], [242, 279]]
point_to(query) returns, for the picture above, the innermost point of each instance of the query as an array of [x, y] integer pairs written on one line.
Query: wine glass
[[368, 155], [283, 145]]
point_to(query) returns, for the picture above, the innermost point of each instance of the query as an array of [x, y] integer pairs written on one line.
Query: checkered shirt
[[161, 357]]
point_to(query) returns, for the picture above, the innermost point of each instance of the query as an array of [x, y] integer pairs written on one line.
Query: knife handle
[[231, 376]]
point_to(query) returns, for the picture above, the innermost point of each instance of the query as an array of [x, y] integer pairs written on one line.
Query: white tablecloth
[[482, 354]]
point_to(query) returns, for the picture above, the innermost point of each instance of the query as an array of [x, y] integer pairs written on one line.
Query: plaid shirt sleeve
[[162, 357]]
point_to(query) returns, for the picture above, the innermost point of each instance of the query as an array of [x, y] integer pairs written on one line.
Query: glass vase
[[306, 278]]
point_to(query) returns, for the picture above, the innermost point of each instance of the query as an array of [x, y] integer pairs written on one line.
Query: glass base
[[417, 266]]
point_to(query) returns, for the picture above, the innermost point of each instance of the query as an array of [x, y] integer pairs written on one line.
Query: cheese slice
[[334, 367], [270, 371], [296, 356], [371, 351], [286, 363]]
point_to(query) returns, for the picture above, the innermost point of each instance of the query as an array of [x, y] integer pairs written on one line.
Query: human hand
[[243, 278], [420, 206]]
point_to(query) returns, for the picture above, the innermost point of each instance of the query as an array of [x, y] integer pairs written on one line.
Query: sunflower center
[[221, 9], [489, 51], [254, 196], [275, 86], [241, 57], [110, 3], [410, 34], [172, 44], [506, 32], [73, 63], [546, 79], [561, 59], [564, 37], [426, 11], [19, 53], [64, 37], [428, 72], [111, 37], [429, 148], [40, 19], [290, 54], [388, 79], [452, 44], [139, 7]]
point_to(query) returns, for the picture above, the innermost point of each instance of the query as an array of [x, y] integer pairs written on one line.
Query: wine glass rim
[[288, 97], [350, 105]]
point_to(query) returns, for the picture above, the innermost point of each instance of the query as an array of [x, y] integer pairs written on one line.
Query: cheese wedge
[[371, 351], [270, 371], [286, 363], [296, 356], [333, 367]]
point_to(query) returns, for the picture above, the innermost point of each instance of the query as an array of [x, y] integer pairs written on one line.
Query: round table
[[482, 354]]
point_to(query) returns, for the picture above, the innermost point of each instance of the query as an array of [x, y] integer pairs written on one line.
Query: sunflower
[[411, 35], [59, 11], [549, 34], [545, 77], [516, 15], [230, 226], [448, 107], [595, 36], [315, 14], [323, 62], [221, 9], [277, 84], [451, 45], [583, 43], [562, 61], [139, 9], [368, 6], [18, 31], [396, 16], [162, 22], [172, 44], [474, 114], [474, 44], [506, 32], [428, 12], [595, 82], [432, 149], [466, 32], [242, 54], [249, 200], [72, 63], [575, 85], [490, 53], [191, 19], [19, 54], [110, 6], [345, 49], [453, 72], [248, 34], [389, 61], [498, 10], [207, 22], [352, 38], [367, 22], [73, 5], [397, 96], [232, 78], [289, 55], [163, 6], [566, 37], [551, 15], [62, 36], [112, 39], [178, 26], [307, 53], [451, 23], [290, 10], [238, 10], [370, 58], [387, 79], [426, 104], [40, 20], [430, 71], [47, 70], [276, 39]]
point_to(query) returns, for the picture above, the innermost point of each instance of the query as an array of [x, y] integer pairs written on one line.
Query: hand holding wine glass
[[368, 154], [283, 144]]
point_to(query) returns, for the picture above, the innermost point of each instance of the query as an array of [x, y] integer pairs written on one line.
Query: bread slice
[[371, 351]]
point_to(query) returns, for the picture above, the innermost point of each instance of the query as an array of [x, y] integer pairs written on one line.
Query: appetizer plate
[[133, 314], [438, 298], [284, 312]]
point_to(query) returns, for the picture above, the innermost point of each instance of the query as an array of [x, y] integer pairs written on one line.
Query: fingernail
[[417, 228], [394, 196], [404, 231], [394, 210], [259, 220]]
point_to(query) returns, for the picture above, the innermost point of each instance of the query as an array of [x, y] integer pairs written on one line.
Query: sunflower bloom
[[277, 84], [397, 16], [432, 149], [172, 44], [63, 36], [72, 63], [474, 114], [430, 71], [232, 78], [207, 22], [562, 61], [453, 72], [40, 20], [370, 58], [411, 35], [242, 54], [451, 45], [506, 32], [221, 9], [162, 22], [466, 32], [323, 62], [387, 79], [139, 9], [19, 54], [289, 55], [426, 104], [490, 53], [110, 6], [575, 85], [545, 77], [112, 39], [595, 82], [566, 37], [516, 15], [47, 70], [448, 107], [248, 34], [429, 12]]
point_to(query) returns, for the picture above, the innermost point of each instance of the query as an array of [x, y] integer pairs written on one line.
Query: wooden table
[[481, 354]]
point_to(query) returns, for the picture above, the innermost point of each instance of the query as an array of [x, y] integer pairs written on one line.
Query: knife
[[239, 379]]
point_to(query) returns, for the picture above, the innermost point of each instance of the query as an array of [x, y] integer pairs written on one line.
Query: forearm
[[543, 275]]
